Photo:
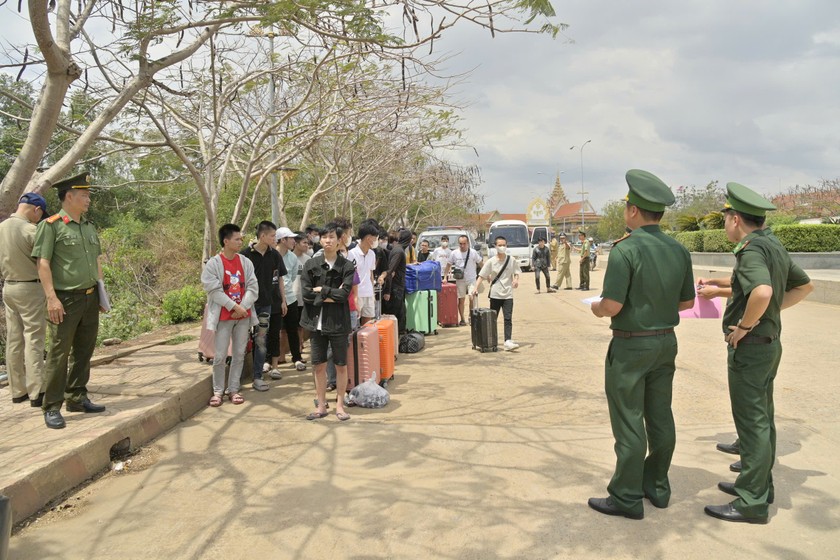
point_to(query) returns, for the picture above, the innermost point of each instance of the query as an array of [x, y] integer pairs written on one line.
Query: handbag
[[458, 273]]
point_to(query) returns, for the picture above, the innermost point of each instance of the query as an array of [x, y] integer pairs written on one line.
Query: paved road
[[476, 457]]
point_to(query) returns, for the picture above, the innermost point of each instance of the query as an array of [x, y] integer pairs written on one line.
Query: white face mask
[[375, 244], [316, 238], [444, 244], [502, 249]]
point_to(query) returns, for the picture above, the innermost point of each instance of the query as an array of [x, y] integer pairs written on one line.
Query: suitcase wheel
[[200, 357]]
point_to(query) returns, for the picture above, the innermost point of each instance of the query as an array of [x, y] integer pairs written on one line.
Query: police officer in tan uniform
[[67, 249], [23, 298]]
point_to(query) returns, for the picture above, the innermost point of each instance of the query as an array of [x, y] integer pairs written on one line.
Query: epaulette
[[740, 248], [622, 238], [53, 218]]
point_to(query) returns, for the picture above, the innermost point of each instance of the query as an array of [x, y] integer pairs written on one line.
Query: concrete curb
[[34, 488]]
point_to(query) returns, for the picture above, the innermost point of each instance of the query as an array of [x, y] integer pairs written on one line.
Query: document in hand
[[703, 309], [104, 301]]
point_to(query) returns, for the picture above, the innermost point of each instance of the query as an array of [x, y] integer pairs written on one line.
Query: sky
[[692, 91]]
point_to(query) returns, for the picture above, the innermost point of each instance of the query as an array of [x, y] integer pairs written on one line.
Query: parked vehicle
[[433, 235], [541, 232], [515, 233]]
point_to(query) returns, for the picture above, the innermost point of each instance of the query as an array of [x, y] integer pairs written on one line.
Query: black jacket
[[336, 283]]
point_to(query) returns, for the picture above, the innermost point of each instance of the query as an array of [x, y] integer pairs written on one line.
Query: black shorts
[[338, 343]]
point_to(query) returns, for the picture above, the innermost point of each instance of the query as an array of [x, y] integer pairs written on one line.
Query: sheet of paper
[[104, 301], [591, 300]]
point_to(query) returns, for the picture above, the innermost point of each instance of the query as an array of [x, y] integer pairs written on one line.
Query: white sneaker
[[300, 366], [266, 367], [260, 385], [510, 345], [275, 374]]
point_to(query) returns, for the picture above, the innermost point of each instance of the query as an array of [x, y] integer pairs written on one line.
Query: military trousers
[[26, 332], [584, 274], [71, 344], [752, 370], [639, 382]]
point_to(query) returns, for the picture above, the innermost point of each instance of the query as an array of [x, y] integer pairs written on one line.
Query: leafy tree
[[611, 225]]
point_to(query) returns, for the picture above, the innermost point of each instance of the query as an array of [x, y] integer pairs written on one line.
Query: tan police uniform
[[25, 305]]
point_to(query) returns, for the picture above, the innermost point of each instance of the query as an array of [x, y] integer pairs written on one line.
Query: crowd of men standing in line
[[323, 282]]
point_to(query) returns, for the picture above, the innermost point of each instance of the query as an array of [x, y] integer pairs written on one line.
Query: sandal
[[236, 398], [215, 401], [342, 416], [316, 415]]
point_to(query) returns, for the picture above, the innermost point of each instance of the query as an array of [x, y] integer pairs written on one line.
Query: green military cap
[[80, 181], [746, 200], [647, 191]]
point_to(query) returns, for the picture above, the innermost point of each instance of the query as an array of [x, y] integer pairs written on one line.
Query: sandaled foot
[[316, 415], [236, 398], [341, 415], [215, 401]]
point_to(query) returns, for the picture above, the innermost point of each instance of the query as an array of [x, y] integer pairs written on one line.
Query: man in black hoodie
[[393, 293]]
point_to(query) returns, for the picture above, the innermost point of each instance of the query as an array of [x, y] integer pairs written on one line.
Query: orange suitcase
[[386, 328]]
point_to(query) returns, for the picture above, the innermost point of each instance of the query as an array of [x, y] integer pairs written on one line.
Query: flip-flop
[[342, 416], [316, 415]]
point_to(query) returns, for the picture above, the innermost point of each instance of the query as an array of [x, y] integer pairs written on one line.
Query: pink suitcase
[[363, 355], [207, 342], [448, 305]]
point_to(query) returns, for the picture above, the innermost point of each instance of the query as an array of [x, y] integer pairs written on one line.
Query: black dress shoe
[[605, 505], [733, 448], [36, 403], [84, 406], [53, 419], [729, 513], [729, 488], [18, 400], [735, 467]]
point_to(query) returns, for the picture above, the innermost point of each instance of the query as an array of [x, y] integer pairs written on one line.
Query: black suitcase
[[485, 337]]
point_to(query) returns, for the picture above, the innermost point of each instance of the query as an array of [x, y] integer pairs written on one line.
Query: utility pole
[[582, 192]]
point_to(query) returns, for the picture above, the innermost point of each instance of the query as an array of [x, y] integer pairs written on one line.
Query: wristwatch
[[748, 329]]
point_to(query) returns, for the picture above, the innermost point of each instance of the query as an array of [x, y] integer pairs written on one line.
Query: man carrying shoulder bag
[[503, 274]]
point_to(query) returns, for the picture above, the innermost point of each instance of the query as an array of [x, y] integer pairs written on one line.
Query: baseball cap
[[284, 232], [35, 199]]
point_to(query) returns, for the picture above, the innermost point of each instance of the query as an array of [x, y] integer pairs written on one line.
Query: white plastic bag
[[369, 395]]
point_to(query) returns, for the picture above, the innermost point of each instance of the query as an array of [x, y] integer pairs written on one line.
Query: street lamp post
[[583, 193]]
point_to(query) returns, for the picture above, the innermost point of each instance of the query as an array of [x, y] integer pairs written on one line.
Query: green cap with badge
[[647, 191], [746, 200], [80, 181]]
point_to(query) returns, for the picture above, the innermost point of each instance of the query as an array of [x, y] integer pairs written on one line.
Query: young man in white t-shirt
[[441, 254], [503, 274], [364, 257], [465, 259]]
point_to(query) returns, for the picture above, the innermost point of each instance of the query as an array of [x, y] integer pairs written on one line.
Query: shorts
[[337, 342], [367, 306], [464, 288]]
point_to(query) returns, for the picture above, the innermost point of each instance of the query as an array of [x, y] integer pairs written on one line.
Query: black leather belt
[[634, 334], [22, 281], [85, 291]]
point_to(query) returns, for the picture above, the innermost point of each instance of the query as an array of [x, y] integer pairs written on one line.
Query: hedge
[[796, 238], [693, 240]]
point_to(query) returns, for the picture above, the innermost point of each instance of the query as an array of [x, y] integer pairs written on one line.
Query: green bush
[[186, 304], [693, 240], [810, 238], [127, 319], [715, 241]]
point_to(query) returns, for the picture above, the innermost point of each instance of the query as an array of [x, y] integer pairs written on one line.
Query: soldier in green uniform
[[67, 249], [764, 282], [648, 282], [584, 261]]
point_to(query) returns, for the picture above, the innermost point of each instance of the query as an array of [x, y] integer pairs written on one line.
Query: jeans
[[506, 305], [544, 271], [226, 332], [260, 346]]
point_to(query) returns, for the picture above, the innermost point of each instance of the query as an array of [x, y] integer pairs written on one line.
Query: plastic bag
[[369, 395]]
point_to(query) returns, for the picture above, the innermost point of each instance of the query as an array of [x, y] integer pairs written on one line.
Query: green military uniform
[[73, 249], [584, 264], [760, 259], [649, 274]]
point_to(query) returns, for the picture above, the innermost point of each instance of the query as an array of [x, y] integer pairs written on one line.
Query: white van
[[518, 242]]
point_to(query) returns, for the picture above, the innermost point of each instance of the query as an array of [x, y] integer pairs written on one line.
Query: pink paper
[[703, 309]]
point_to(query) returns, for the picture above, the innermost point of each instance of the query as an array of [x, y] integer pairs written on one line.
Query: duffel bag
[[412, 342]]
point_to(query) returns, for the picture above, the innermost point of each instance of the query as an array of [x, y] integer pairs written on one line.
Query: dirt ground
[[477, 456]]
